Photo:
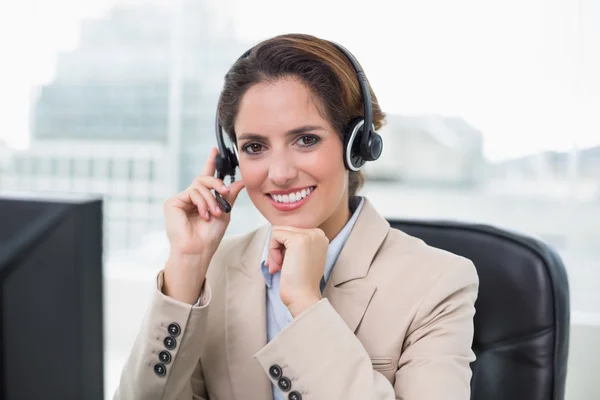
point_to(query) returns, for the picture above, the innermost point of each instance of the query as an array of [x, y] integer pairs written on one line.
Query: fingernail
[[224, 188], [206, 215]]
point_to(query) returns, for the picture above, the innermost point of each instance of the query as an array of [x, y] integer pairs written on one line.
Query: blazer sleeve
[[325, 360], [435, 362], [176, 328]]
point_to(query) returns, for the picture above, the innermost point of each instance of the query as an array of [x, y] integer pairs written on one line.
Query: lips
[[291, 196], [290, 200]]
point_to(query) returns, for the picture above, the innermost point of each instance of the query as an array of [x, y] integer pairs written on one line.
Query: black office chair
[[522, 311]]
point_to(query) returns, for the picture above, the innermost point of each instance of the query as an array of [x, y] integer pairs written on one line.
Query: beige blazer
[[396, 322]]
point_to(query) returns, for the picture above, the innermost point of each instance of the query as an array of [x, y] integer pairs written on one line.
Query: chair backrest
[[522, 311]]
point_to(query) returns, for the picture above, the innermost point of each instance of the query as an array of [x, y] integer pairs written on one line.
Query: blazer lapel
[[347, 292], [246, 322]]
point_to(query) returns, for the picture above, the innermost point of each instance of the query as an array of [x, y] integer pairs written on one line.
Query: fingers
[[206, 181], [212, 183], [210, 164], [276, 249], [234, 190], [315, 233], [275, 254], [198, 195], [198, 199], [282, 237], [209, 182], [210, 200]]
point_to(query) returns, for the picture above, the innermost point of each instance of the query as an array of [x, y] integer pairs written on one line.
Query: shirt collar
[[333, 250]]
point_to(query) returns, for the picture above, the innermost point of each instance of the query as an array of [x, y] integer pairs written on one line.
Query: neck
[[334, 224]]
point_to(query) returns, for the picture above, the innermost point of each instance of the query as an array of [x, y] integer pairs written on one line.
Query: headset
[[360, 144]]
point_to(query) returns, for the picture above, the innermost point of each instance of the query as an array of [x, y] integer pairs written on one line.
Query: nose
[[282, 169]]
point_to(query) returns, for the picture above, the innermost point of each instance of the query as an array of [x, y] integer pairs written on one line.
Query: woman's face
[[291, 158]]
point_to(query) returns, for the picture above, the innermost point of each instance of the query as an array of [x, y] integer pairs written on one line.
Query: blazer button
[[284, 384], [295, 396], [160, 370], [164, 356], [174, 329], [275, 371], [170, 343]]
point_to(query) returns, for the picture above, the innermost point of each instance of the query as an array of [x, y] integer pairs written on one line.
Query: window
[[141, 170], [101, 168], [82, 167], [19, 165], [120, 168], [64, 167]]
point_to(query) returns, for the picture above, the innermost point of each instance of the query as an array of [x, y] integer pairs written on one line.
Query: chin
[[304, 219]]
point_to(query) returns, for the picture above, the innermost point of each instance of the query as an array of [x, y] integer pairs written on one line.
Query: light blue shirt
[[278, 316]]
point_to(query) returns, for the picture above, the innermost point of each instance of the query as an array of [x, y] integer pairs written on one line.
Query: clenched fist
[[300, 255]]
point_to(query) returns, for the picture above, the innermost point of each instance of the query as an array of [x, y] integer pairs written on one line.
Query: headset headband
[[362, 81]]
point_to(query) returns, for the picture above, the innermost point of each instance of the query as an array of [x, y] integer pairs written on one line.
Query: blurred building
[[130, 112], [553, 164], [129, 175], [147, 71], [574, 174], [5, 153], [429, 150]]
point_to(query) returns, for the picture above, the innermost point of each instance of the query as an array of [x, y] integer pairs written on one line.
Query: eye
[[252, 148], [307, 141]]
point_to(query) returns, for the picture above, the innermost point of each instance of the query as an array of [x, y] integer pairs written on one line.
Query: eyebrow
[[291, 132]]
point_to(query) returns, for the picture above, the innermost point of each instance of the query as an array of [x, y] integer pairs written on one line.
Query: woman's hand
[[300, 254], [195, 226], [194, 222]]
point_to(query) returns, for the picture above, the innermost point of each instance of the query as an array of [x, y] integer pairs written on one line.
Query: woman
[[325, 302]]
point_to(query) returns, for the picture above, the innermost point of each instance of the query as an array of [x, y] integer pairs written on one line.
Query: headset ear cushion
[[226, 164], [233, 161], [375, 146], [221, 166], [352, 157]]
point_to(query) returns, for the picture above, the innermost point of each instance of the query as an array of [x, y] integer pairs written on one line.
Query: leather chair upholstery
[[522, 311]]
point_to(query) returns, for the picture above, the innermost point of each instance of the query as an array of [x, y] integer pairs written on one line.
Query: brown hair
[[319, 65]]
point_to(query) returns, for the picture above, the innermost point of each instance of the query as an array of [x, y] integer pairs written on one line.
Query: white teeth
[[291, 197]]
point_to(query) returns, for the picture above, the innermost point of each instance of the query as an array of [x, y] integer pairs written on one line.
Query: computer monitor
[[50, 297]]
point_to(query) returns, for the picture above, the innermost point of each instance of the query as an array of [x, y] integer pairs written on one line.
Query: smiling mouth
[[292, 197]]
